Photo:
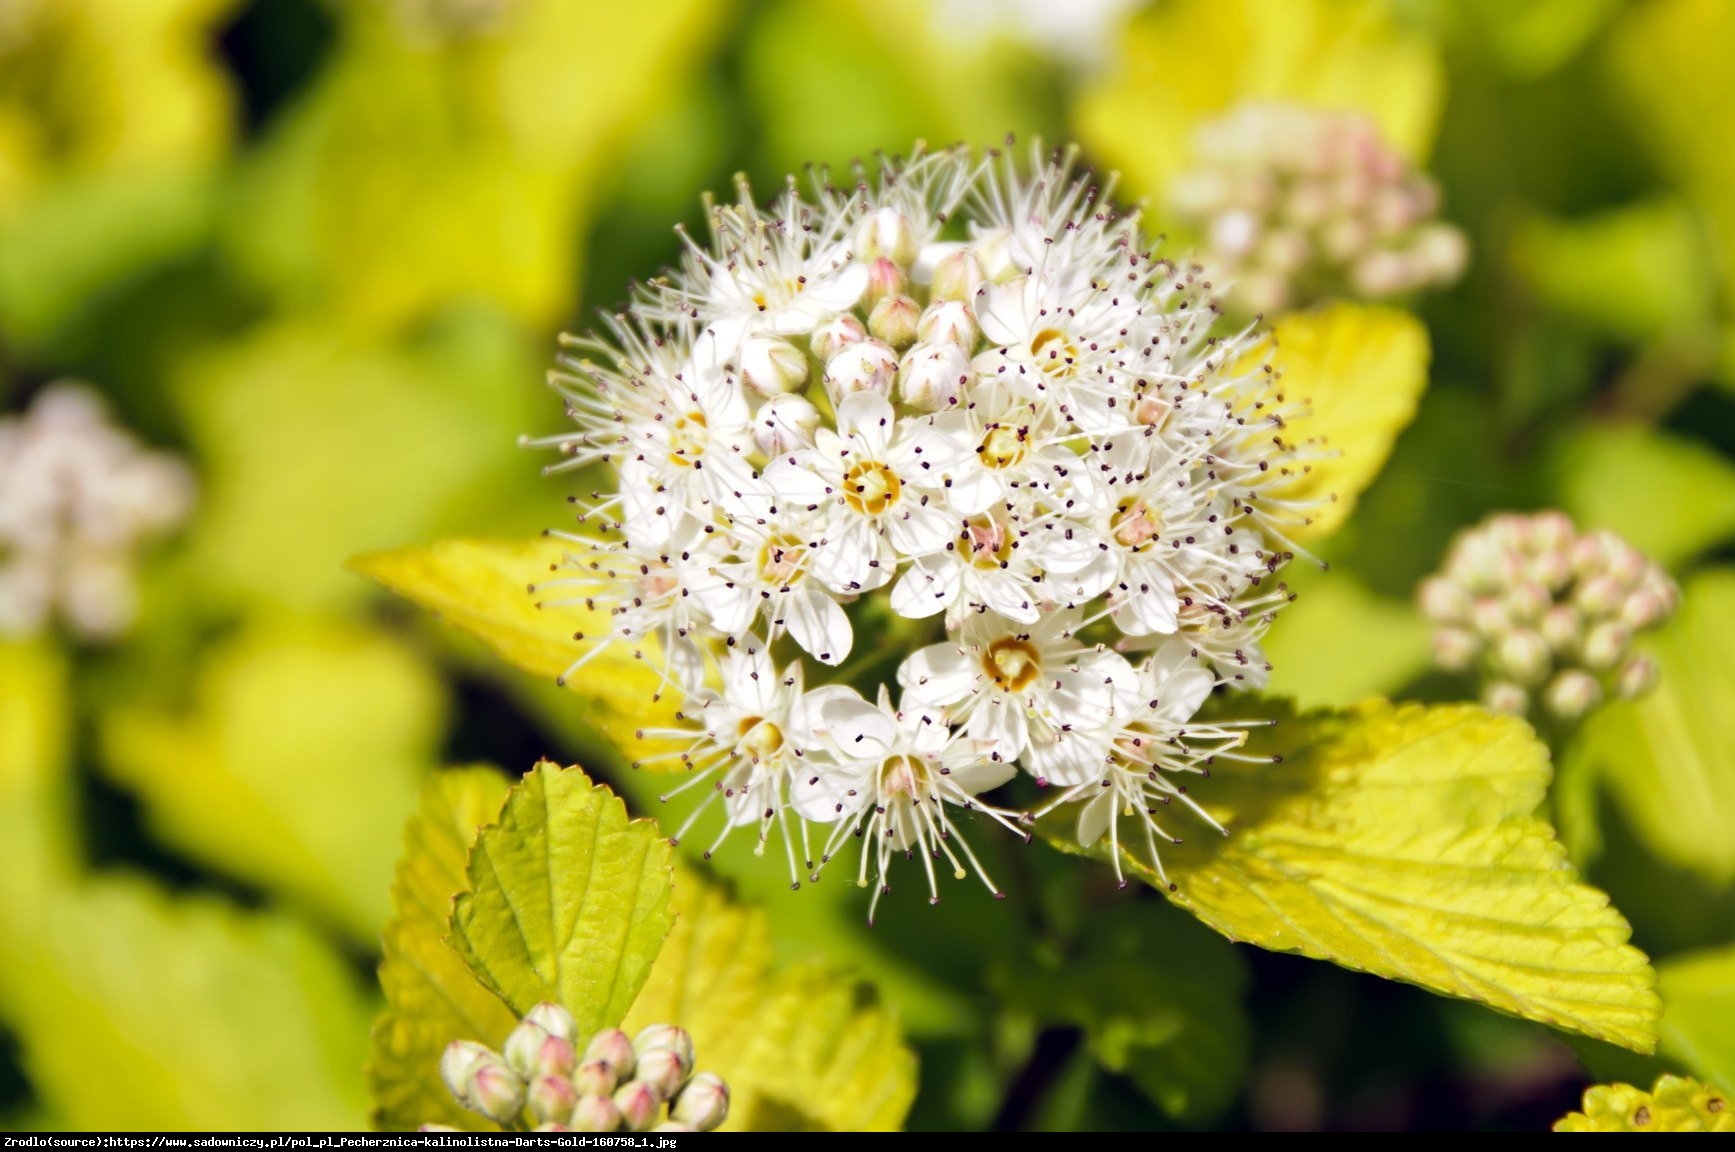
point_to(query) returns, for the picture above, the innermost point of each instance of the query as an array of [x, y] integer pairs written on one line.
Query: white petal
[[925, 588], [922, 529], [939, 674], [818, 625], [1093, 818], [858, 731], [867, 417]]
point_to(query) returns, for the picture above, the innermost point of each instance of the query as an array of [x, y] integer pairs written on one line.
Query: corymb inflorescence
[[920, 482]]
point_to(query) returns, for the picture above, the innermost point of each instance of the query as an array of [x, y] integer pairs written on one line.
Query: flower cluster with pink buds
[[542, 1081], [1297, 204], [78, 497], [1546, 615]]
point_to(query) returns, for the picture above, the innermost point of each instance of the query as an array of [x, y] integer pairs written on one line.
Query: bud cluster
[[1294, 204], [1546, 614], [616, 1083], [77, 497]]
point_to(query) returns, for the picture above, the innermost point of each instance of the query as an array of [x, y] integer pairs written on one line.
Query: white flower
[[891, 776], [78, 496], [1125, 766], [772, 580], [1013, 685], [877, 486]]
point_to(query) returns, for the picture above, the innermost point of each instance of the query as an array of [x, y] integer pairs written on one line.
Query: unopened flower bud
[[834, 335], [869, 366], [551, 1099], [1488, 616], [669, 1036], [459, 1062], [1604, 647], [884, 279], [895, 319], [1524, 655], [1444, 600], [1561, 626], [595, 1114], [615, 1048], [886, 234], [663, 1070], [523, 1049], [1443, 251], [1636, 677], [948, 322], [1455, 649], [1506, 698], [771, 366], [1527, 601], [1600, 595], [703, 1103], [1642, 608], [639, 1105], [1571, 694], [932, 377], [595, 1078], [958, 278], [784, 423], [496, 1092], [554, 1020], [993, 249]]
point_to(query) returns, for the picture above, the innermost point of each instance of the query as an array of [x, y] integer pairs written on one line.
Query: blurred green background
[[320, 249]]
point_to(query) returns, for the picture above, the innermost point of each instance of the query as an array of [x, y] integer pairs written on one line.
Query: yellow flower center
[[1003, 445], [780, 560], [871, 488], [1136, 523], [903, 776], [1053, 352], [987, 542], [758, 739], [1013, 664], [687, 439]]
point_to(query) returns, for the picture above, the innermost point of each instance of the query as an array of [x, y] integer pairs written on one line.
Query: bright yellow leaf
[[1674, 1104], [1187, 61], [299, 759], [714, 977], [37, 853], [1360, 371], [1340, 642], [1698, 991], [483, 587], [432, 997], [1402, 841], [567, 900]]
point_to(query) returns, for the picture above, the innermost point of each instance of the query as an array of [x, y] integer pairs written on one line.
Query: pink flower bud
[[1636, 677], [895, 320], [1571, 694], [595, 1078], [834, 335], [958, 278], [1509, 699], [639, 1105], [1455, 649], [1605, 646], [771, 366], [496, 1093], [595, 1114], [523, 1049], [948, 322], [551, 1099], [614, 1047], [1561, 626], [933, 377], [554, 1020], [1443, 600], [667, 1036], [459, 1062], [886, 234], [884, 279], [1524, 655], [703, 1103], [663, 1070], [869, 366]]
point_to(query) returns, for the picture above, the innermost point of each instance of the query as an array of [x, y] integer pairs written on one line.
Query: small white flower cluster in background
[[618, 1084], [1294, 204], [1545, 614], [952, 428], [77, 498]]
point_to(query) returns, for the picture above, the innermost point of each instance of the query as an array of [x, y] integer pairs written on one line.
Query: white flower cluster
[[959, 408], [1296, 203], [77, 497], [1544, 611]]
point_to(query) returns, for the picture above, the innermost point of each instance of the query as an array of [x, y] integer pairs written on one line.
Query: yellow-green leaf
[[714, 977], [1402, 841], [298, 761], [483, 587], [1360, 371], [432, 997], [1187, 61], [188, 1015], [568, 900], [1667, 756], [1698, 1029], [1340, 643], [1619, 476], [1674, 1104], [35, 821]]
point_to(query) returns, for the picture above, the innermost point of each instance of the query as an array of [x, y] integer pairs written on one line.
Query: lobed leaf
[[483, 587], [1673, 1104], [1402, 841], [432, 997], [567, 899]]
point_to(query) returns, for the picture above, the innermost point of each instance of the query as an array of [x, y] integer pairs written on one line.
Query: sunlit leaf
[[150, 1014], [1185, 62], [432, 997], [1667, 756], [482, 587], [1619, 477], [36, 830], [714, 977], [1698, 1029], [1159, 999], [1674, 1104], [299, 758], [1360, 371], [568, 900], [1402, 841]]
